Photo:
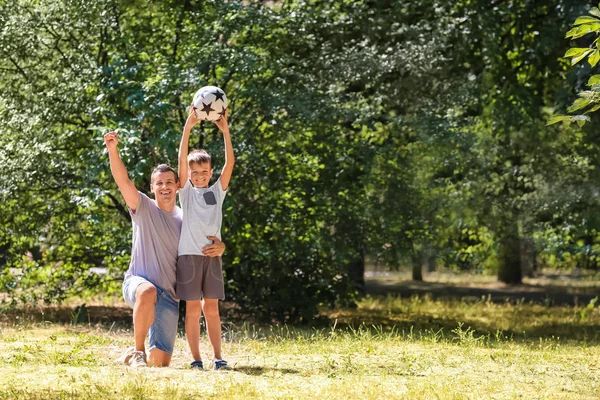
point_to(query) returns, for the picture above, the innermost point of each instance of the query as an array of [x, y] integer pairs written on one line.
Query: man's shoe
[[138, 359], [220, 364], [125, 358]]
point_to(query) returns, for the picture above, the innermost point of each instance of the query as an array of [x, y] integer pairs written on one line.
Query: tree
[[516, 69]]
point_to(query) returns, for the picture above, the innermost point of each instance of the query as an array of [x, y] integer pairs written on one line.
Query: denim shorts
[[164, 328]]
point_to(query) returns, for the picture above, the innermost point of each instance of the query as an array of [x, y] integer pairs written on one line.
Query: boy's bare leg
[[193, 311], [143, 313], [213, 324]]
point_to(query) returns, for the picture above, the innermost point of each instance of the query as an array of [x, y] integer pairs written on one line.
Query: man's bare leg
[[143, 313]]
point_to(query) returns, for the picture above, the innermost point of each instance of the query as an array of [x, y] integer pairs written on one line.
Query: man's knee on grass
[[159, 358]]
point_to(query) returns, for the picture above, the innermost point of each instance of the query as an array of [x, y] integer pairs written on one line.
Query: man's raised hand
[[111, 140]]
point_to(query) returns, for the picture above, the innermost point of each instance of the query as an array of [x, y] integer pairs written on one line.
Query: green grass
[[386, 348]]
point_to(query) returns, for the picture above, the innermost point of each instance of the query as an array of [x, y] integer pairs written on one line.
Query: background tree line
[[408, 133]]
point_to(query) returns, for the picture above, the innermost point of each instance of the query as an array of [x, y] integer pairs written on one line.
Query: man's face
[[200, 174], [164, 186]]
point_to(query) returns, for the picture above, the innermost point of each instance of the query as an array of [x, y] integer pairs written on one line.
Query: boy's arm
[[182, 166], [229, 156], [119, 172]]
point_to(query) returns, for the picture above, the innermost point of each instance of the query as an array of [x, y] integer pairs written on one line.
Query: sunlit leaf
[[594, 80], [582, 30], [575, 60], [594, 58], [557, 119], [587, 94], [578, 104], [585, 20], [595, 11], [576, 51]]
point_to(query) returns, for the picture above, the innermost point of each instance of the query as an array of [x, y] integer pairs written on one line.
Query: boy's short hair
[[199, 156], [163, 168]]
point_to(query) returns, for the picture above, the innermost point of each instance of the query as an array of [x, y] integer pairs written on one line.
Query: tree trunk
[[528, 262], [430, 259], [417, 267], [509, 254], [356, 272]]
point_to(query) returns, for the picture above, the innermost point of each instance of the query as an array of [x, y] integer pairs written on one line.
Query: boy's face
[[200, 174], [164, 186]]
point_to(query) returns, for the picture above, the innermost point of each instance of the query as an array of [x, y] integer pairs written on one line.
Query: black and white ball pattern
[[210, 103]]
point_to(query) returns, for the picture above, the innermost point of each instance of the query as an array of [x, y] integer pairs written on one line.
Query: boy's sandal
[[219, 364]]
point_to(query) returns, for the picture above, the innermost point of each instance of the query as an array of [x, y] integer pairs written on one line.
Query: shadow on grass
[[525, 321], [256, 370], [109, 316], [496, 293], [402, 307], [448, 319], [422, 327], [521, 312]]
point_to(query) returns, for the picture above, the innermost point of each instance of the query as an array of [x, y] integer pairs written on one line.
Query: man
[[149, 284]]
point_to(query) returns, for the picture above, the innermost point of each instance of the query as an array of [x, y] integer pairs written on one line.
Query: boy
[[200, 278]]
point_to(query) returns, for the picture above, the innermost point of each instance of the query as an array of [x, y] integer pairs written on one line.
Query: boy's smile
[[200, 174]]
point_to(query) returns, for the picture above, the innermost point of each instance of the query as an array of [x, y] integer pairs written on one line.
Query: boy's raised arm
[[229, 156], [182, 165], [119, 172]]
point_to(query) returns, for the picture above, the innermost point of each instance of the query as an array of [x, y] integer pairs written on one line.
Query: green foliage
[[584, 27], [585, 311], [398, 131]]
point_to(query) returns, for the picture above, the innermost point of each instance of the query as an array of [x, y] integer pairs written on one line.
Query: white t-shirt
[[202, 216]]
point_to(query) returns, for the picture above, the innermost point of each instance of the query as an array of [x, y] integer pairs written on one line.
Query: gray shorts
[[199, 277]]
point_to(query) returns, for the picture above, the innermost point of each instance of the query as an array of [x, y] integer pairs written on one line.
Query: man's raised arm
[[119, 172]]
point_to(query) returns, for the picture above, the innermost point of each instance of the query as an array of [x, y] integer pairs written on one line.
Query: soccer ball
[[210, 103]]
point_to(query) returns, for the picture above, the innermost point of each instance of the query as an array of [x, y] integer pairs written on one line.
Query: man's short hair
[[163, 168], [199, 156]]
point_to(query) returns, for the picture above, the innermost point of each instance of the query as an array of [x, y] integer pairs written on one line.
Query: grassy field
[[415, 348]]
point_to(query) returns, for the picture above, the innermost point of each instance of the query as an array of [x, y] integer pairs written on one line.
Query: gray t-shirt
[[202, 216], [155, 242]]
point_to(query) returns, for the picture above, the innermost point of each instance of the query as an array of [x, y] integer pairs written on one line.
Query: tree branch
[[117, 204], [496, 3], [18, 67]]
